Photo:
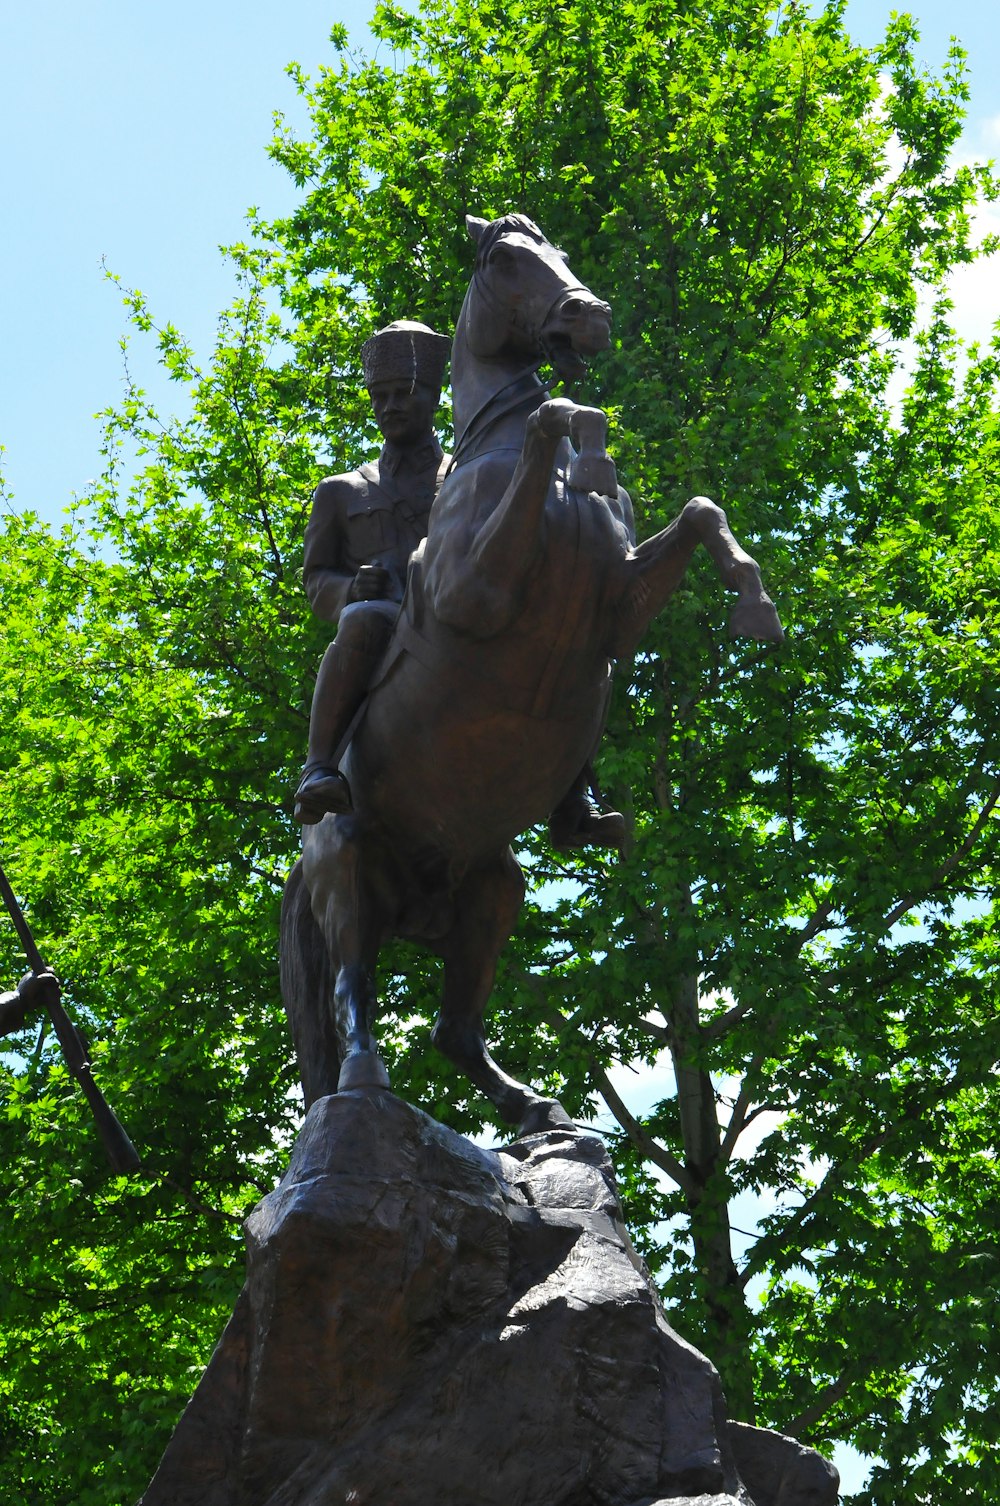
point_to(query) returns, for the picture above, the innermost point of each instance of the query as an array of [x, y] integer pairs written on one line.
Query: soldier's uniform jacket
[[373, 516]]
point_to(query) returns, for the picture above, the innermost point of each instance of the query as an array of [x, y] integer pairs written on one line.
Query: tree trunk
[[727, 1317]]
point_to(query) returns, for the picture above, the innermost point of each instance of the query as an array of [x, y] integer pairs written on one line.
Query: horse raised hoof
[[591, 471], [365, 1069], [543, 1115], [756, 617]]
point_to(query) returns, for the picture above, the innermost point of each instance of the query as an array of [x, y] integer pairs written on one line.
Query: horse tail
[[307, 991]]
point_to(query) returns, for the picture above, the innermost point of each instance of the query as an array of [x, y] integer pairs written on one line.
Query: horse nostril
[[585, 308]]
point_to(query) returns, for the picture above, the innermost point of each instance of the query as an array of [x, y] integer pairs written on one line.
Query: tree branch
[[942, 872], [661, 1033], [205, 1209], [643, 1141], [829, 1396], [723, 1023], [740, 1116]]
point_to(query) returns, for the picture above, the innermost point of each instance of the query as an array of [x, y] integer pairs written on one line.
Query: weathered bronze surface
[[492, 690], [17, 1007], [424, 1320]]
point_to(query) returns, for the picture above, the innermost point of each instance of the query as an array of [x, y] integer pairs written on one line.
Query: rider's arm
[[326, 574], [328, 592]]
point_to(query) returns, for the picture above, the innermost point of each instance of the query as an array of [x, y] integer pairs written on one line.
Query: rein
[[522, 388]]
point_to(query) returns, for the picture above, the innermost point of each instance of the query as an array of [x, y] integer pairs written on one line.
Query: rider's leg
[[341, 686], [578, 820]]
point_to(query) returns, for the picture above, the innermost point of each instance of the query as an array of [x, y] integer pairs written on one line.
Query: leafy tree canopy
[[804, 919]]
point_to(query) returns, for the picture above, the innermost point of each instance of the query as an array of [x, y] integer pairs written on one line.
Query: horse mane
[[507, 224]]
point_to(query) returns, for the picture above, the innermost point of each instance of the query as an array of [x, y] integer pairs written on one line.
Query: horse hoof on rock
[[545, 1115], [756, 618], [365, 1069]]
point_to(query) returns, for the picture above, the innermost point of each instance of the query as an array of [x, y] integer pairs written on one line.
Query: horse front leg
[[486, 909], [512, 538], [488, 534], [591, 468], [656, 568]]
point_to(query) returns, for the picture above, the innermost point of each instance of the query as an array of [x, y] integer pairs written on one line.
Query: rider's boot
[[341, 686], [322, 789], [578, 820]]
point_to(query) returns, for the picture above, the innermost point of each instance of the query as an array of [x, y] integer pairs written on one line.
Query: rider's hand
[[370, 584], [32, 987]]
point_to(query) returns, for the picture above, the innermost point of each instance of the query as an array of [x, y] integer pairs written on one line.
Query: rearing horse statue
[[494, 689]]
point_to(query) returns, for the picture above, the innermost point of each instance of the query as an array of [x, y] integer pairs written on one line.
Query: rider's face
[[404, 411]]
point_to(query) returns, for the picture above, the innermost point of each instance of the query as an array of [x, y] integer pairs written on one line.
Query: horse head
[[524, 302]]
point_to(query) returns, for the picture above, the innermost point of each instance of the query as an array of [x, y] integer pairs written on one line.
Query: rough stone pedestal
[[425, 1323]]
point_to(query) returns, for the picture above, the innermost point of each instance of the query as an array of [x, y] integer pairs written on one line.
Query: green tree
[[803, 921]]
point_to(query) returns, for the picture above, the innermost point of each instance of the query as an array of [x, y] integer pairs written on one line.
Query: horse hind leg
[[348, 916], [486, 908], [356, 1003], [306, 989]]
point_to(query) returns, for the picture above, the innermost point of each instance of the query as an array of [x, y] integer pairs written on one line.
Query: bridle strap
[[520, 389]]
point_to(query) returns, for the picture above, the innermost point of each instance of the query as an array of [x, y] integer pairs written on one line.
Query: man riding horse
[[363, 528]]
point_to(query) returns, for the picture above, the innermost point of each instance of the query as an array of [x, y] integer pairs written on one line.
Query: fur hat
[[405, 352]]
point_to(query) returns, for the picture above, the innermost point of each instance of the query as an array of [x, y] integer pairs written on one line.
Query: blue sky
[[137, 133]]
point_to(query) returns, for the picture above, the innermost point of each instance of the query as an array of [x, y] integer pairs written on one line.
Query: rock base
[[425, 1323]]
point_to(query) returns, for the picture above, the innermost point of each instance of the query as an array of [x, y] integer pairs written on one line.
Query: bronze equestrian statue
[[492, 691]]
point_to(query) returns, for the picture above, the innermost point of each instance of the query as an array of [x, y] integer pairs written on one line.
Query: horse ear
[[475, 226]]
